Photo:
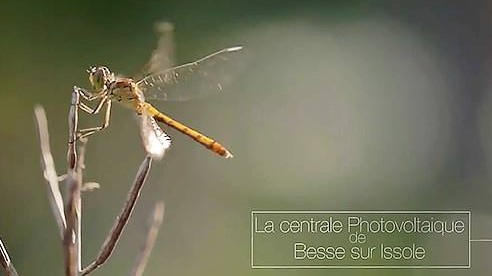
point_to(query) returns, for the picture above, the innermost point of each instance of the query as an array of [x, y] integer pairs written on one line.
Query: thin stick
[[71, 236], [53, 188], [80, 166], [70, 243], [143, 256], [122, 219], [5, 261], [73, 121]]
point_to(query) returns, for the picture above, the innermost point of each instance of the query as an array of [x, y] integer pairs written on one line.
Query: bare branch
[[73, 121], [53, 188], [80, 166], [71, 237], [5, 261], [70, 243], [143, 256], [122, 219]]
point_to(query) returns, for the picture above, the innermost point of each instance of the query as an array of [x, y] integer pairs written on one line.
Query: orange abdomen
[[209, 143]]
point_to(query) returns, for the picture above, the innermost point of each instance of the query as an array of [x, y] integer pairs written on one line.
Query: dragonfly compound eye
[[98, 76]]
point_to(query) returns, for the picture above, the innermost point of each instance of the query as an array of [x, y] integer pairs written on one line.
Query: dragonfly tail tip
[[228, 154]]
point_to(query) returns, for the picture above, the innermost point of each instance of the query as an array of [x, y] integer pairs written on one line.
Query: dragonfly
[[194, 79]]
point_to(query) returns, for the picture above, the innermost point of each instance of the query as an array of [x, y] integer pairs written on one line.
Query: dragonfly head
[[100, 77]]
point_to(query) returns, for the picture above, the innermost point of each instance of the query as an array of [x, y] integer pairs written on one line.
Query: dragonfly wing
[[203, 77], [155, 140], [162, 57]]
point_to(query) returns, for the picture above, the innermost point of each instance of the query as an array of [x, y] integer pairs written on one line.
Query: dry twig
[[143, 256], [71, 237], [5, 261], [122, 219], [69, 216], [53, 188]]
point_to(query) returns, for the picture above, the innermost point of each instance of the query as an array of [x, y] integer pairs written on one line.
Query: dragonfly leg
[[82, 133], [85, 108], [87, 95], [98, 108]]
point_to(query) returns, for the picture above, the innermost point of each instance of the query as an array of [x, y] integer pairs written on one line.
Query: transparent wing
[[162, 57], [155, 141], [203, 77]]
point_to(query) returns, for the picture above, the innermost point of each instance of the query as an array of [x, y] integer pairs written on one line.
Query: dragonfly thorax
[[100, 77]]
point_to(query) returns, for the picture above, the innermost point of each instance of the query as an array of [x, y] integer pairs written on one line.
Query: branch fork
[[68, 211]]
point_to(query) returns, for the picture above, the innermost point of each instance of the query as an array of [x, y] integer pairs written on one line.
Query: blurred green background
[[342, 105]]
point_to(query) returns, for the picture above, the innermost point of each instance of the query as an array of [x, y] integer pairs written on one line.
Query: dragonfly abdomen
[[209, 143]]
